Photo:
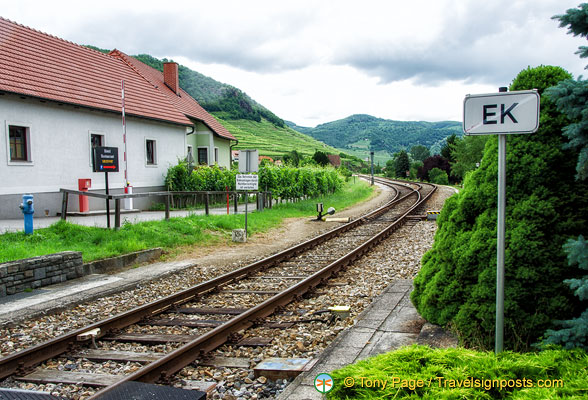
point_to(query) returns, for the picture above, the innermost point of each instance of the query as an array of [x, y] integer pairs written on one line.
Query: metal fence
[[264, 200]]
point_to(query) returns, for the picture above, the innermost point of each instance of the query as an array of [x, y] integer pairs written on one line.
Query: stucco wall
[[60, 151], [201, 138]]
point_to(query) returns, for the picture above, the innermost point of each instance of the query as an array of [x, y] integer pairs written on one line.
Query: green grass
[[439, 371], [271, 140], [201, 230]]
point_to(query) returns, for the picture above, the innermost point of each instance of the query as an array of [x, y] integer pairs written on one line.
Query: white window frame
[[207, 155], [91, 152], [216, 155], [147, 164], [29, 127]]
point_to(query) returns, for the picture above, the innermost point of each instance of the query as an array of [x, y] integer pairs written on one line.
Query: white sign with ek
[[505, 112]]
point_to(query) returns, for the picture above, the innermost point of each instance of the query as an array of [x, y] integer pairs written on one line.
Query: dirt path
[[291, 232]]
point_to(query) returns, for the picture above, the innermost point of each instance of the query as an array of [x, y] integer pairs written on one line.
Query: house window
[[96, 140], [18, 137], [216, 155], [151, 151], [202, 155]]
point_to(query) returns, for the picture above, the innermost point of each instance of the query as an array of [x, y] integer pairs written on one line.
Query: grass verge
[[421, 372], [97, 243]]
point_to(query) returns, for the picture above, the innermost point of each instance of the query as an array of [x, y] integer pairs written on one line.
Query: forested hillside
[[370, 133]]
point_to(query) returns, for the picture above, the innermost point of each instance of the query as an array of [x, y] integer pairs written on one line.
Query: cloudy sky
[[317, 61]]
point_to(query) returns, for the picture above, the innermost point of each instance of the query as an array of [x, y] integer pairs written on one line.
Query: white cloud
[[312, 62]]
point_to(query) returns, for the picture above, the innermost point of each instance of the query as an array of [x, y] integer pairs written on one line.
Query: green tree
[[438, 176], [545, 206], [446, 149], [419, 152], [320, 157], [390, 168], [401, 164], [293, 158], [467, 153], [571, 99]]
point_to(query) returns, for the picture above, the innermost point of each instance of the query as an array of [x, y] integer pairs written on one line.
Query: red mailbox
[[83, 186]]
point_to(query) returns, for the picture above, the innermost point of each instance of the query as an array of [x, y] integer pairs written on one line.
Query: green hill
[[269, 139], [359, 134]]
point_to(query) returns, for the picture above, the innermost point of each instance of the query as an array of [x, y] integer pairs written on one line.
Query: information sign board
[[247, 182], [105, 159]]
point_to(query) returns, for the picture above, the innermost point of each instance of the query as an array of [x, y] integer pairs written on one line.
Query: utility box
[[83, 186]]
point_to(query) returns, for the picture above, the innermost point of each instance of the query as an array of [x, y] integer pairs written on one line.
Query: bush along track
[[425, 373]]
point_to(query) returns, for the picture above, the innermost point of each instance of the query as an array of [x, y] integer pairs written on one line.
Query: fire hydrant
[[28, 210]]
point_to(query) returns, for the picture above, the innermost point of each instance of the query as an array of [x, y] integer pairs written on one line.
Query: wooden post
[[117, 214], [64, 206], [206, 205], [167, 207]]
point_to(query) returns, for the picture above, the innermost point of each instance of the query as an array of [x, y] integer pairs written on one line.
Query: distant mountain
[[252, 124], [364, 133]]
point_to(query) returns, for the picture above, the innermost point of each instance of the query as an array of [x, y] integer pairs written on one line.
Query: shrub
[[457, 282]]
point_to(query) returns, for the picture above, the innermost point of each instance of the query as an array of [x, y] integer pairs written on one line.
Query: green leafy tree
[[390, 168], [320, 157], [438, 176], [545, 206], [467, 153], [293, 158], [419, 152], [446, 149], [401, 164]]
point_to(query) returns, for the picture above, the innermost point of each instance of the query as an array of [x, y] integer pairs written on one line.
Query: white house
[[58, 100]]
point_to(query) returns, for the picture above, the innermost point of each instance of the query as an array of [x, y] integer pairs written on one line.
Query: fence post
[[206, 205], [235, 201], [64, 205], [167, 207], [117, 214]]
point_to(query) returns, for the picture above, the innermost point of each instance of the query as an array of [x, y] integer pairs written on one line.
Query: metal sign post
[[372, 157], [246, 183], [501, 114]]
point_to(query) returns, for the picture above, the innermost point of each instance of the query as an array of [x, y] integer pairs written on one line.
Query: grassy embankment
[[200, 230], [421, 372]]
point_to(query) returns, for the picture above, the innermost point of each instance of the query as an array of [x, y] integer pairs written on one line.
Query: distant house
[[58, 100], [267, 158], [334, 160]]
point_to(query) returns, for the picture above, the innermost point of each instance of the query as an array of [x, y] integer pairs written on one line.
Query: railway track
[[257, 290]]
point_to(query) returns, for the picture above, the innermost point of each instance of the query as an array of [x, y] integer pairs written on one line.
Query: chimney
[[170, 76]]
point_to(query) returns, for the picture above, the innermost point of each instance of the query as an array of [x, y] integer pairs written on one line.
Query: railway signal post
[[501, 114]]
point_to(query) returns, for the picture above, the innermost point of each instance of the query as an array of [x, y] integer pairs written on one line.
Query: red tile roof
[[36, 64], [182, 101]]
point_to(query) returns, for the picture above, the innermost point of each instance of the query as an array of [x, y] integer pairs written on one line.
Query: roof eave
[[108, 110]]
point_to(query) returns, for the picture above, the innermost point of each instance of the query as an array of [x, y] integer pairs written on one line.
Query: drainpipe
[[231, 149]]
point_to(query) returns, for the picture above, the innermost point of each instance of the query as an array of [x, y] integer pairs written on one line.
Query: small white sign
[[247, 182], [506, 112]]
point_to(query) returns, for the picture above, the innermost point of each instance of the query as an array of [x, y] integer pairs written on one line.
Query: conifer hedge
[[545, 206]]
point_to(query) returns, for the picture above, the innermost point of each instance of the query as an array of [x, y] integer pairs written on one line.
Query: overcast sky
[[312, 62]]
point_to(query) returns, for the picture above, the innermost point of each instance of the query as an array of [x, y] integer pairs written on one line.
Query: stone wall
[[33, 273]]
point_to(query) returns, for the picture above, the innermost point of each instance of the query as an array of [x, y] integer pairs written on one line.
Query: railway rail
[[262, 288]]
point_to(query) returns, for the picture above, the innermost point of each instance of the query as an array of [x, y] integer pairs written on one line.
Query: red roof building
[[59, 99]]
